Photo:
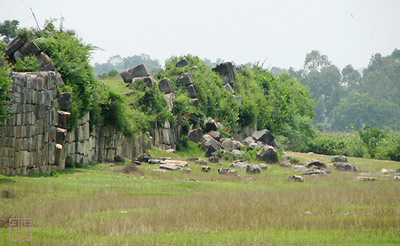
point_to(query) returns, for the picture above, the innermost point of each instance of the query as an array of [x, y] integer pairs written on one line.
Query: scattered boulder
[[183, 62], [268, 154], [165, 86], [134, 72], [366, 179], [286, 165], [210, 125], [201, 161], [396, 178], [347, 167], [247, 141], [253, 169], [275, 144], [185, 170], [195, 135], [215, 134], [398, 170], [239, 164], [171, 151], [185, 79], [191, 91], [119, 158], [195, 102], [386, 171], [227, 171], [145, 157], [211, 145], [339, 158], [264, 136], [226, 73], [296, 178], [316, 164], [213, 159], [236, 154], [206, 169], [251, 146], [227, 143], [236, 144], [263, 166]]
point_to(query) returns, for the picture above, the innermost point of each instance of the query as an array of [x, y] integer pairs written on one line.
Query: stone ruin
[[37, 138]]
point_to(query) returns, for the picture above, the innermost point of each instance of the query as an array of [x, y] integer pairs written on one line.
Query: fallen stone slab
[[366, 179], [185, 79], [317, 173], [173, 164], [165, 86], [185, 170], [264, 136]]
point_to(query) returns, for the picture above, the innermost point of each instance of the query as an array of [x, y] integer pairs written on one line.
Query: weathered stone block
[[191, 91], [165, 86], [138, 71], [64, 119], [14, 45], [185, 79]]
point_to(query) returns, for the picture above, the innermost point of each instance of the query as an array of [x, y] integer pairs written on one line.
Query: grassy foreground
[[99, 205]]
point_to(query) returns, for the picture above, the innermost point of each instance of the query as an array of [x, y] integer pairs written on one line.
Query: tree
[[351, 78], [314, 61], [9, 29]]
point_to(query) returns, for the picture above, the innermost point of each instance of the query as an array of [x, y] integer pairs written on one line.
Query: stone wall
[[35, 138]]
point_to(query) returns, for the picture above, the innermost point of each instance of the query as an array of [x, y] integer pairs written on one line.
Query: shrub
[[5, 83], [28, 64], [371, 137]]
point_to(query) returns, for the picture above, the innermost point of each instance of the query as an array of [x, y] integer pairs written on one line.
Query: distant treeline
[[345, 99]]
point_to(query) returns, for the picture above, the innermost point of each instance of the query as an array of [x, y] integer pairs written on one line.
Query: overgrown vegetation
[[367, 143], [28, 64], [5, 83]]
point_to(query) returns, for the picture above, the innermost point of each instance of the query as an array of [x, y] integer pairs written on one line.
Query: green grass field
[[99, 205]]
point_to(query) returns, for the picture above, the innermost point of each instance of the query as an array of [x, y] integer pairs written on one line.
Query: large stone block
[[65, 101], [191, 91], [185, 79], [29, 49], [165, 86], [138, 71], [64, 119], [14, 45], [226, 72]]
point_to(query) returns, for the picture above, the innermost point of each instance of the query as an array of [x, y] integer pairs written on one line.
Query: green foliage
[[9, 29], [28, 64], [247, 113], [150, 101], [251, 155], [371, 137], [389, 147], [214, 100], [70, 55], [113, 112], [5, 83]]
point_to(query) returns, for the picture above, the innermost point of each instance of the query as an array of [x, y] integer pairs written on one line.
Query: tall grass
[[98, 206]]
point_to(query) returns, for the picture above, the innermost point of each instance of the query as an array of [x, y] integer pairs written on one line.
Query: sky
[[279, 32]]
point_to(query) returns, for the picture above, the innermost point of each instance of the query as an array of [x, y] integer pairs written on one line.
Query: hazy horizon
[[279, 32]]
